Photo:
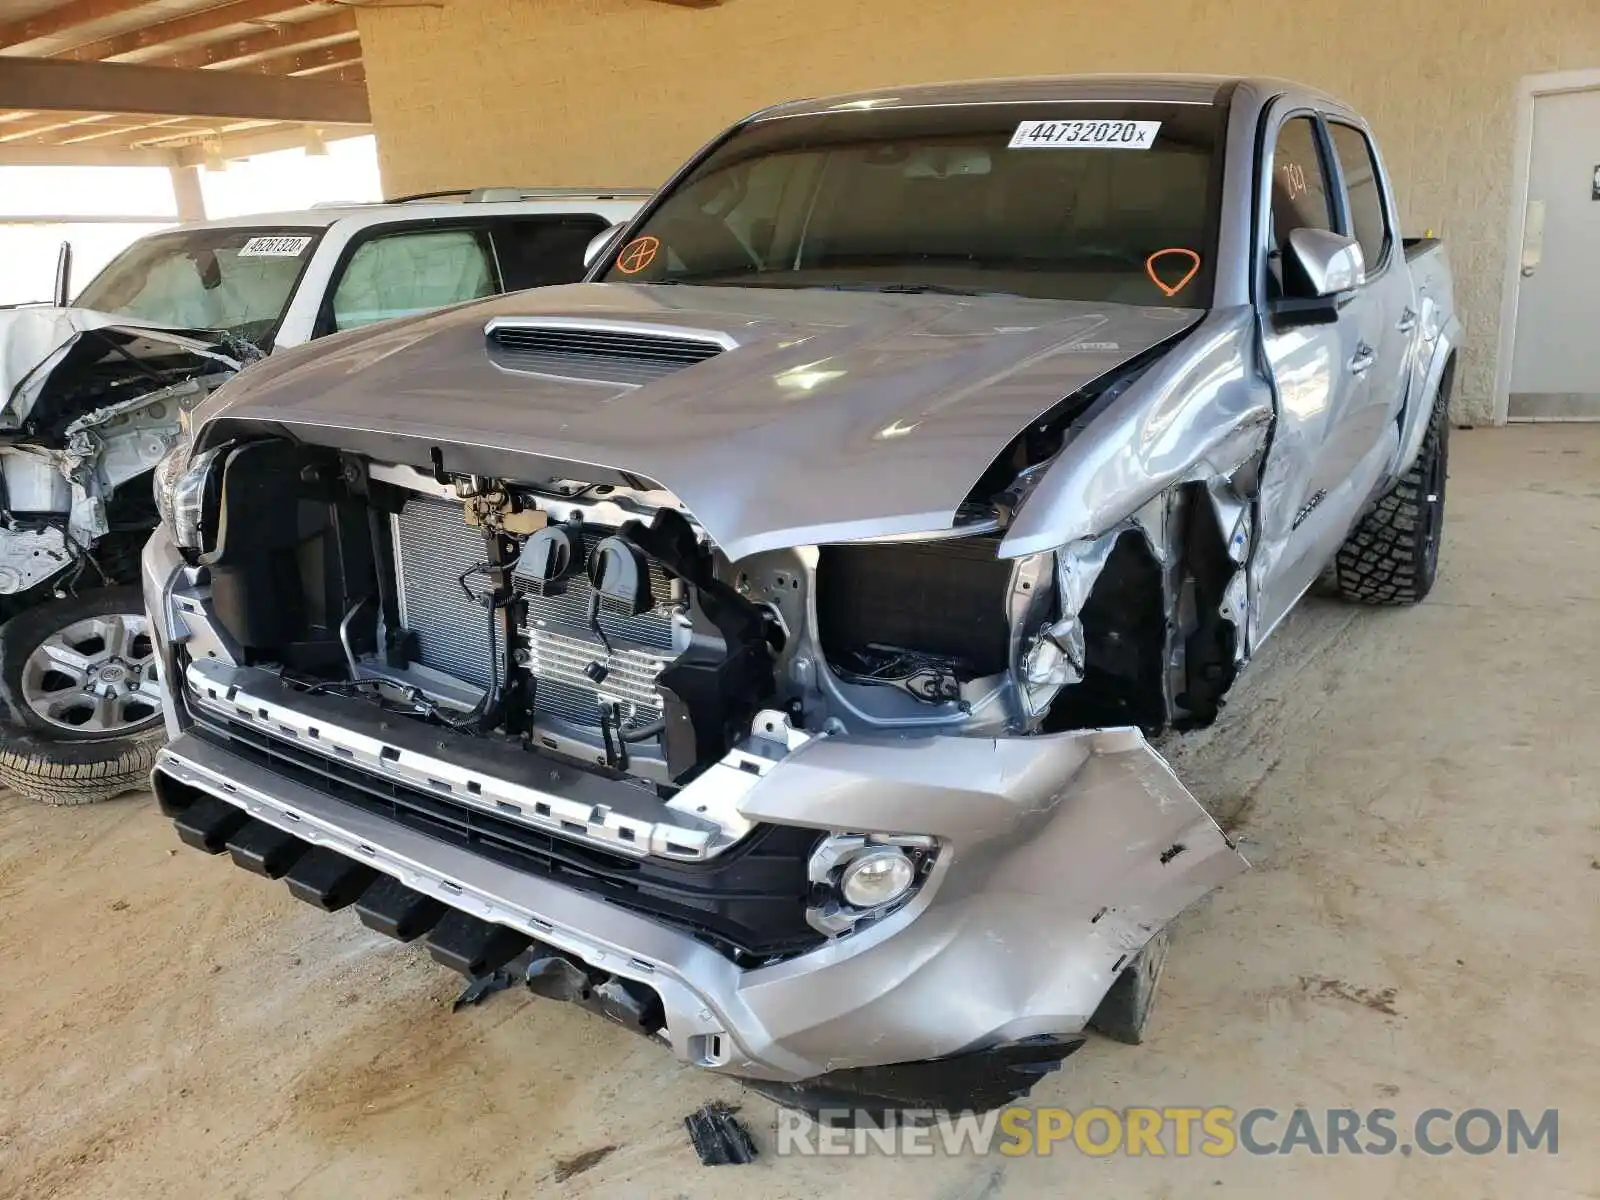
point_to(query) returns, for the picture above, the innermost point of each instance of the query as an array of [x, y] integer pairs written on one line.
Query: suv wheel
[[79, 679]]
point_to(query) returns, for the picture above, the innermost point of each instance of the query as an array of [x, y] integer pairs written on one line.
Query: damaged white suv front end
[[89, 404]]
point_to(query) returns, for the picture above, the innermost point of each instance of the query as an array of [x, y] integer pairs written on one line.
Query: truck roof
[[1170, 89]]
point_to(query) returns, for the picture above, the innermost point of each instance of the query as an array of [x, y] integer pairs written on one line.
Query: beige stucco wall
[[616, 92]]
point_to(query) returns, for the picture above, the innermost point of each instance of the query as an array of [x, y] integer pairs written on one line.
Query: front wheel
[[78, 676], [1392, 556]]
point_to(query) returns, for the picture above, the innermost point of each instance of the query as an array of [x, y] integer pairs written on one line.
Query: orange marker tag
[[637, 255], [1172, 289]]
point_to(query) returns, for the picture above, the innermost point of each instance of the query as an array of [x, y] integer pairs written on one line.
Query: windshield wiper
[[912, 289], [781, 280]]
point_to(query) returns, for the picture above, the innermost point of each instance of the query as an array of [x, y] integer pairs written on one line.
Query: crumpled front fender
[[1197, 415]]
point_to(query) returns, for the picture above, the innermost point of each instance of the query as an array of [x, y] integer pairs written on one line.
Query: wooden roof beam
[[51, 85], [310, 62], [355, 73], [190, 25], [284, 39], [20, 154], [127, 131], [68, 16], [262, 141]]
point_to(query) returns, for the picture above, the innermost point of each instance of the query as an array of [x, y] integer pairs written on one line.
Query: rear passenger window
[[400, 274], [1300, 192], [1360, 172], [539, 251]]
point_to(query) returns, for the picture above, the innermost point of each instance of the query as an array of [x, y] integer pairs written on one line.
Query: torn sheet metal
[[1055, 657], [34, 341], [1199, 414]]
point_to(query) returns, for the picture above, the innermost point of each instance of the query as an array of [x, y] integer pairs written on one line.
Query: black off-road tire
[[50, 765], [1392, 555], [1125, 1009]]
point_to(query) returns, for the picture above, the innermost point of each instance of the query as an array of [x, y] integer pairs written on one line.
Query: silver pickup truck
[[758, 643]]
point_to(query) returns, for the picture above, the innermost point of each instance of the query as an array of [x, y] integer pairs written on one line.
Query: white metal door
[[1555, 365]]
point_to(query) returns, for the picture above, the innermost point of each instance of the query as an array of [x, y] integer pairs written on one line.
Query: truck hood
[[36, 340], [819, 416]]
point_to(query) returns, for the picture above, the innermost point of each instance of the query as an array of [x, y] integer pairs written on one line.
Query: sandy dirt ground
[[1416, 789]]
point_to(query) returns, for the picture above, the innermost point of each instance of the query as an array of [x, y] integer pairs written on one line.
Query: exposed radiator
[[434, 546], [561, 647]]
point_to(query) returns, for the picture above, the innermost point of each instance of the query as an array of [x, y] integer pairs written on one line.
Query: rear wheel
[[1392, 555], [78, 676]]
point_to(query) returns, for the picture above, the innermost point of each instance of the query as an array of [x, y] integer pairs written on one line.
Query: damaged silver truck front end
[[773, 810], [761, 649]]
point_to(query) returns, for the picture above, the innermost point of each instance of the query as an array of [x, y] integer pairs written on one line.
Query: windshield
[[1083, 201], [237, 280]]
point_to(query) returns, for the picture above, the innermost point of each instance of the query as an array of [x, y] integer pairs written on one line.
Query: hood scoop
[[625, 353]]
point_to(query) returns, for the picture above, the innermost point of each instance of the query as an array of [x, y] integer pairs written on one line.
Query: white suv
[[285, 278], [92, 396]]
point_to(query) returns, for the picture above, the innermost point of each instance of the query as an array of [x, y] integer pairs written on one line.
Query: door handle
[[1363, 360], [1532, 238], [1408, 321]]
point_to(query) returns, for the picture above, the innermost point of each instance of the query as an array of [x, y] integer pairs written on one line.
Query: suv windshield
[[1085, 201], [237, 280]]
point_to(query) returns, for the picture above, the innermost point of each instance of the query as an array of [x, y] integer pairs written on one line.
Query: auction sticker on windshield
[[1078, 135], [274, 247]]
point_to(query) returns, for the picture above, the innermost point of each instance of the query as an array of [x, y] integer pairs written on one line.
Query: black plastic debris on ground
[[718, 1137], [479, 990]]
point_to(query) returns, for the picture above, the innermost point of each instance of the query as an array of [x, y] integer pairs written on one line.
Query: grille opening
[[749, 904]]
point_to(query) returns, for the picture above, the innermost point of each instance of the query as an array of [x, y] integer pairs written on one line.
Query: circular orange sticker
[[637, 255]]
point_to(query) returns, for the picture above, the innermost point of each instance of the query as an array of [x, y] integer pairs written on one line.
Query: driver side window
[[1301, 195]]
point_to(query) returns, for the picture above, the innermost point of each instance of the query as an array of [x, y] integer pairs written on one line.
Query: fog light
[[858, 877], [879, 876]]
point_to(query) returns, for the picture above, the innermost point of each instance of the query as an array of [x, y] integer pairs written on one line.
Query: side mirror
[[599, 242], [1322, 264], [63, 293]]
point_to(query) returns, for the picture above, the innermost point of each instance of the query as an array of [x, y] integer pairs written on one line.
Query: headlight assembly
[[184, 490]]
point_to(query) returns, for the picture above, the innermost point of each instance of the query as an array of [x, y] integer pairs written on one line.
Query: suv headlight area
[[861, 877]]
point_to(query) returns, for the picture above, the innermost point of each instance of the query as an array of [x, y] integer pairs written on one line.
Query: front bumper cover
[[1060, 856]]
